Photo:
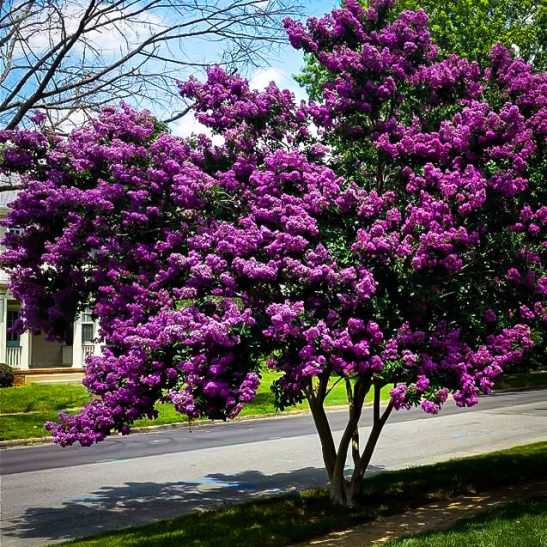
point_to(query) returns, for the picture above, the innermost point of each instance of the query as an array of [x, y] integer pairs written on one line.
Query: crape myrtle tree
[[469, 29], [409, 253]]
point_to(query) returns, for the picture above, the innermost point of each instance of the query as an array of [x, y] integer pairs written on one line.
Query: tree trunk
[[323, 429], [344, 490], [378, 424], [340, 491]]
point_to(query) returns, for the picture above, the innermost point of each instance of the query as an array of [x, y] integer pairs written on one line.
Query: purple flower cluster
[[426, 361], [227, 105], [387, 242]]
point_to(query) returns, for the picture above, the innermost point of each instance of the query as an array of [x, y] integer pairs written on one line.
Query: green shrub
[[6, 375]]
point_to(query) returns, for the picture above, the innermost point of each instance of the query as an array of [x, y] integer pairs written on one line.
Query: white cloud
[[188, 125], [72, 120], [262, 78]]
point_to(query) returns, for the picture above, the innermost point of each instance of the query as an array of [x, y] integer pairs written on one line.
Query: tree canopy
[[389, 233]]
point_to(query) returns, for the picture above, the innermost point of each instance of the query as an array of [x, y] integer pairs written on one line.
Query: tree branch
[[75, 63]]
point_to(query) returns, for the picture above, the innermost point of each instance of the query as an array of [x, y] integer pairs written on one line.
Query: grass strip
[[522, 524], [25, 426], [289, 519], [523, 380], [42, 398]]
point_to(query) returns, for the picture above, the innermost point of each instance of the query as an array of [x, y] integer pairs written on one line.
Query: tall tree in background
[[73, 56], [470, 28]]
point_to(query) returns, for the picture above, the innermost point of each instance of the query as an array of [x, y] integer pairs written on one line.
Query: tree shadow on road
[[134, 503]]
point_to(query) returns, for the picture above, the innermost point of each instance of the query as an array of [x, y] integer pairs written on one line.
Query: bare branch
[[62, 53]]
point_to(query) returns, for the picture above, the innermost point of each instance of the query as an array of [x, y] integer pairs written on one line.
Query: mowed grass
[[289, 519], [519, 380], [25, 409], [42, 397], [522, 524]]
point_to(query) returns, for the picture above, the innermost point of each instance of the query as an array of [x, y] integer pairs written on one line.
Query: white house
[[32, 351]]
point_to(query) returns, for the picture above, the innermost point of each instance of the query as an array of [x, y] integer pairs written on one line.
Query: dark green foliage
[[470, 28], [6, 375]]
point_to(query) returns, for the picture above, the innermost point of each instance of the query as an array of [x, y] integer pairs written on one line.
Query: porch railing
[[13, 356], [88, 349]]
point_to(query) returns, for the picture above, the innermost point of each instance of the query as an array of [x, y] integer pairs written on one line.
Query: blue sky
[[280, 68], [112, 42], [289, 61]]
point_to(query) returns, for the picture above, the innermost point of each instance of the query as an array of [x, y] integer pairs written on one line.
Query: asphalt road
[[52, 494]]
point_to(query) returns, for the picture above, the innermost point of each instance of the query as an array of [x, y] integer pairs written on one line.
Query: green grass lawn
[[520, 524], [519, 380], [39, 403], [42, 397], [288, 519]]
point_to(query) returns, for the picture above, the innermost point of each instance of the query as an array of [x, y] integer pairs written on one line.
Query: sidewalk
[[431, 517]]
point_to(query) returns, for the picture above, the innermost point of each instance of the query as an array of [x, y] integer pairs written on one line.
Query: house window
[[13, 339], [87, 328], [87, 334], [86, 316]]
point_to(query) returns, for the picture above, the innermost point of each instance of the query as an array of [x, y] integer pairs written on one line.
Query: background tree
[[67, 58], [390, 233], [471, 28]]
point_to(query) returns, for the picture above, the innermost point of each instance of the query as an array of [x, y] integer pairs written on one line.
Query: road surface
[[51, 494]]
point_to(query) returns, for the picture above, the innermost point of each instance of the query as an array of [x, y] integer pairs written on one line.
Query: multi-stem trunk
[[345, 490]]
